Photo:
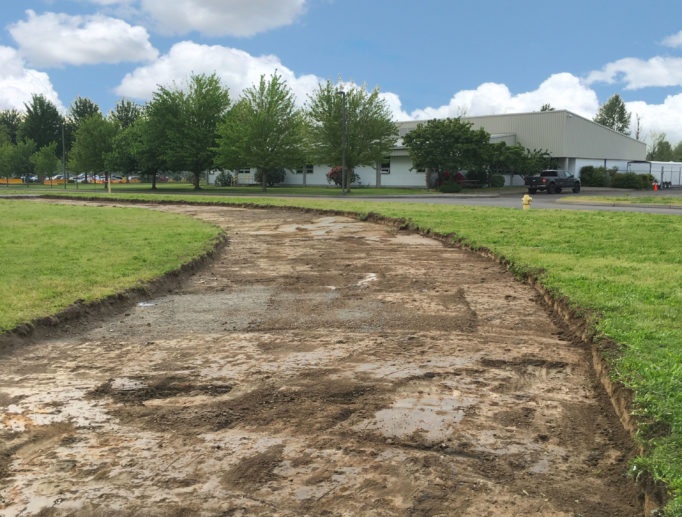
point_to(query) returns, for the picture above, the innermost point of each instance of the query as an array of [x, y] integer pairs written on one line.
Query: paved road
[[540, 201]]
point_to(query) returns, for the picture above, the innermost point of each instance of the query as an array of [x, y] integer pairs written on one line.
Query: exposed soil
[[320, 366]]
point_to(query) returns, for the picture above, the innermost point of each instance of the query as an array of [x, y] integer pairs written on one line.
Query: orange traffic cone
[[655, 186]]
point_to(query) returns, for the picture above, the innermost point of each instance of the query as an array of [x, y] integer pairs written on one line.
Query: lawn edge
[[81, 311]]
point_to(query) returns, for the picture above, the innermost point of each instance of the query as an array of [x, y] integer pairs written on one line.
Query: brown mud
[[320, 366]]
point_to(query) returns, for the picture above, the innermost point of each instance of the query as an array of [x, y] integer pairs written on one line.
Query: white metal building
[[573, 140]]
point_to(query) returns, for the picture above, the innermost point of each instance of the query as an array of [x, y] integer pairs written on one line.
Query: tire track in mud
[[320, 366]]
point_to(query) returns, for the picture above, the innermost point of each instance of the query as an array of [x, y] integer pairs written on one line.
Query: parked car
[[552, 181]]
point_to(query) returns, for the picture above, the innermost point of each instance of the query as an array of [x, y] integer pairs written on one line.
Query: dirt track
[[321, 366]]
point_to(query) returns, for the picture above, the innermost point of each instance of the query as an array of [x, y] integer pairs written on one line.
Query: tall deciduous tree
[[44, 160], [11, 120], [370, 130], [660, 150], [126, 112], [447, 144], [613, 114], [42, 123], [82, 108], [677, 152], [122, 158], [191, 121], [263, 130], [94, 139], [15, 159]]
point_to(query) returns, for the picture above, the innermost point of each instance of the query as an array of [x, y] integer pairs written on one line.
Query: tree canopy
[[44, 160], [370, 130], [264, 129], [126, 112], [613, 114], [94, 139], [660, 149], [42, 123], [11, 121], [187, 123], [447, 144]]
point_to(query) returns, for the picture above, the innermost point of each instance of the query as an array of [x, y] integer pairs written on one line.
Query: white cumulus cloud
[[237, 70], [637, 73], [562, 91], [53, 39], [18, 83], [659, 118], [674, 40], [222, 17]]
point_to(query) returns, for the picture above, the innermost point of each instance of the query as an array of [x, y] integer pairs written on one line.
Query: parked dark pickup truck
[[552, 181]]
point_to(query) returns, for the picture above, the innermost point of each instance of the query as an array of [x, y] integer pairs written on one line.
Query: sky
[[430, 58]]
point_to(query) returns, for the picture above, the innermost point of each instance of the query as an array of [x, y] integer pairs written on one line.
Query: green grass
[[187, 188], [52, 255], [627, 200], [624, 270]]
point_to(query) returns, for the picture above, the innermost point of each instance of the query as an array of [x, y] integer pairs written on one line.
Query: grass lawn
[[187, 188], [627, 200], [623, 269], [52, 255]]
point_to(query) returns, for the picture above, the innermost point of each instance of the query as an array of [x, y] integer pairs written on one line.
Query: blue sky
[[430, 58]]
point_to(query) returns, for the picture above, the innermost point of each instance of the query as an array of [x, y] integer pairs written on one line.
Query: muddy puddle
[[320, 366]]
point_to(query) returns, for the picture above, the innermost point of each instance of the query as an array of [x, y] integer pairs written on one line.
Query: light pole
[[343, 143]]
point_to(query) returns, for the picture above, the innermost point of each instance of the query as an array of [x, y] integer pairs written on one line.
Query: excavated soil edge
[[81, 311], [654, 493]]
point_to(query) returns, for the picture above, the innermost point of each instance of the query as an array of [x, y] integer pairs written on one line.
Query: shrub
[[271, 177], [334, 175], [224, 179], [593, 176], [646, 180], [627, 180], [497, 181], [450, 187]]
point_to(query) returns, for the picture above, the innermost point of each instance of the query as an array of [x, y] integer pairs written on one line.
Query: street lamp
[[343, 143]]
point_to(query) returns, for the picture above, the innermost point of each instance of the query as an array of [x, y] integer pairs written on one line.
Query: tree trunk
[[349, 173], [154, 181], [263, 182], [197, 178], [378, 171]]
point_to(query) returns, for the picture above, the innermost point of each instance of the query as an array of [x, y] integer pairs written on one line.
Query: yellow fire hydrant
[[526, 201]]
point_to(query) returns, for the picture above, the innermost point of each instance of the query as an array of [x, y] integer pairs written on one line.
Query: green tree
[[677, 152], [447, 144], [264, 130], [144, 137], [126, 112], [121, 158], [44, 160], [42, 123], [546, 107], [94, 140], [15, 159], [370, 131], [82, 108], [613, 114], [6, 151], [190, 125], [661, 150], [11, 121]]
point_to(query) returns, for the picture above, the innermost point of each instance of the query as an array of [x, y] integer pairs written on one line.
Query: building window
[[307, 168], [244, 171], [386, 165]]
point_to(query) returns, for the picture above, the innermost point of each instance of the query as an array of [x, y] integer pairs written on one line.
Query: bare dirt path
[[321, 366]]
